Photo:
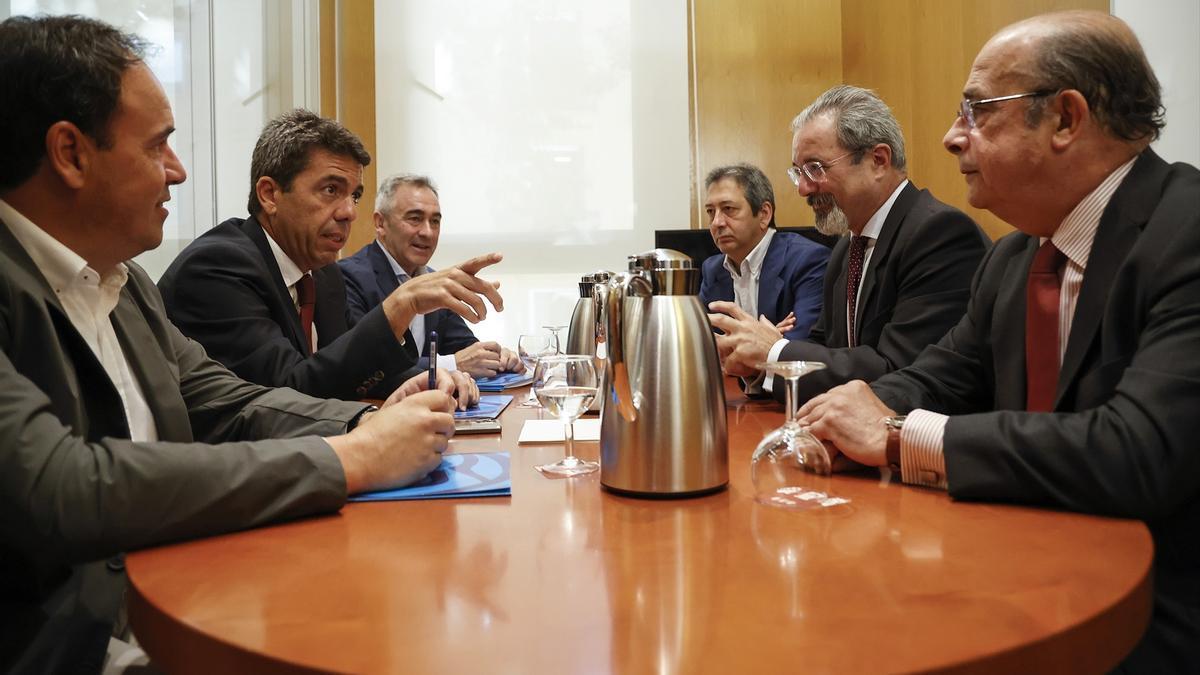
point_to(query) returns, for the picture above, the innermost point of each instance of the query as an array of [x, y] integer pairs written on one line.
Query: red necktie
[[858, 249], [1041, 329], [306, 297]]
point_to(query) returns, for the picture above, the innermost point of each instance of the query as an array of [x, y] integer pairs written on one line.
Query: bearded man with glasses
[[895, 285]]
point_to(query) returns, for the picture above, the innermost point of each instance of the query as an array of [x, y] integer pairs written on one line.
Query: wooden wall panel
[[347, 62], [916, 54], [758, 63], [755, 64], [356, 101]]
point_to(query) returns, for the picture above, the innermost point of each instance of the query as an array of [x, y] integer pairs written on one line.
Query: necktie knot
[[306, 290], [1047, 260]]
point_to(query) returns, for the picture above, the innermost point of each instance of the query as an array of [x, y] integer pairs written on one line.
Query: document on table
[[505, 381], [480, 474], [551, 431]]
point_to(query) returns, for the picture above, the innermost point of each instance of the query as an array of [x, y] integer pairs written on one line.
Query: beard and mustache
[[831, 220]]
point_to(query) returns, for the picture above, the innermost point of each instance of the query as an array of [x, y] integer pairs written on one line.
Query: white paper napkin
[[551, 431]]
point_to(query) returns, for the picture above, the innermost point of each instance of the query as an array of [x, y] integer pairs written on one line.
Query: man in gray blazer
[[1072, 381], [116, 431]]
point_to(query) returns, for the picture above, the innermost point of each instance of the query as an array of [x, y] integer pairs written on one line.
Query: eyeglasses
[[814, 170], [966, 109]]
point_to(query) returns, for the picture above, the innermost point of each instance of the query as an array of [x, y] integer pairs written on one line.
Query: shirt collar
[[396, 269], [754, 261], [1077, 231], [291, 271], [875, 223], [59, 265]]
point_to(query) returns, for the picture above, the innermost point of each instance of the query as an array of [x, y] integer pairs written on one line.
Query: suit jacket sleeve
[[220, 297], [938, 260], [71, 500]]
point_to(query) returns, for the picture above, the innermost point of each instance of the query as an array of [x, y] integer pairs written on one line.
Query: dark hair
[[283, 148], [53, 69], [754, 184], [1100, 57]]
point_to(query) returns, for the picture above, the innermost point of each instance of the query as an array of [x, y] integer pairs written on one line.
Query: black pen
[[432, 360]]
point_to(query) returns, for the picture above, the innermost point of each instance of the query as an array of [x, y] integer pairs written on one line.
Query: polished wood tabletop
[[565, 577]]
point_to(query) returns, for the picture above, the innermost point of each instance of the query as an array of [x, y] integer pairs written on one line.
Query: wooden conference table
[[564, 577]]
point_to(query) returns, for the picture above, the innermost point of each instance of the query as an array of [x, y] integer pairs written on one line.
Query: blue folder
[[505, 381], [482, 474]]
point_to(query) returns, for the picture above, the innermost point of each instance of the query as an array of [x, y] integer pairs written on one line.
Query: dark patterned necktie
[[858, 249], [1042, 291], [306, 297]]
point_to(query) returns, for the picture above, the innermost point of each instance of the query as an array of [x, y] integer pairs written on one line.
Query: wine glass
[[530, 348], [566, 385], [554, 330], [790, 467]]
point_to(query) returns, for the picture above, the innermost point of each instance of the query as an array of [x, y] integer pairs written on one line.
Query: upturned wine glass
[[790, 468], [566, 385], [531, 348], [558, 339]]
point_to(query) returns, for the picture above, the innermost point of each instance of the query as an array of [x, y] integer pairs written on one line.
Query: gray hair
[[283, 148], [862, 119], [385, 198], [1099, 56], [754, 183]]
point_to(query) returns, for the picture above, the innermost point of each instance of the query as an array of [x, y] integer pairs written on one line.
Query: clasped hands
[[745, 341], [847, 418]]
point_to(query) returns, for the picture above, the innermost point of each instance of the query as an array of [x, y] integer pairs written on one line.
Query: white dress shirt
[[417, 327], [745, 276], [291, 274], [871, 231], [88, 299], [922, 458]]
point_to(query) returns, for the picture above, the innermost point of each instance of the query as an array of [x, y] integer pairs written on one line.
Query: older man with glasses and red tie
[[1072, 381], [891, 288]]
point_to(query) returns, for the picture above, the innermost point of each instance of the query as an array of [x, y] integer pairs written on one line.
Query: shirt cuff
[[922, 460], [448, 362], [773, 356]]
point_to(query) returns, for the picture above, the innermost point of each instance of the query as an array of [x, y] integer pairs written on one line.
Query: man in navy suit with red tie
[[1072, 381], [264, 295]]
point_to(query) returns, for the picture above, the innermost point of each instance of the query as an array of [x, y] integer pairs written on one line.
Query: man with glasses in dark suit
[[1072, 381]]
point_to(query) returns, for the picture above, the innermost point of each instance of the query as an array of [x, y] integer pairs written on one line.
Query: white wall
[[557, 133], [1169, 31]]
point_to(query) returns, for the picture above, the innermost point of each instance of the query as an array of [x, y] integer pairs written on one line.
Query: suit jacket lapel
[[330, 313], [770, 281], [883, 247], [835, 308], [1119, 228], [254, 231], [385, 276], [1008, 337], [146, 361]]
